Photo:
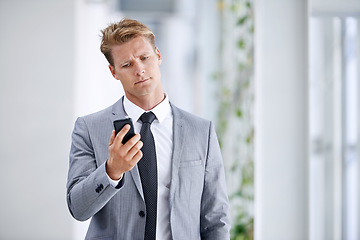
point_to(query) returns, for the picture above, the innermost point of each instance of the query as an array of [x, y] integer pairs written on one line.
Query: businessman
[[167, 181]]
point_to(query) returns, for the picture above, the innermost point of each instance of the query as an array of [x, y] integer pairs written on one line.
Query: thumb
[[112, 138]]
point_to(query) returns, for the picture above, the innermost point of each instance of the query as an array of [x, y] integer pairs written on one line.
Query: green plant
[[235, 125]]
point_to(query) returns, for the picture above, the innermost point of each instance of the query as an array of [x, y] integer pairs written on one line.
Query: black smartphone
[[119, 124]]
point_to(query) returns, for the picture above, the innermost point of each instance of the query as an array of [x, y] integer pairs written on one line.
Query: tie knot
[[147, 117]]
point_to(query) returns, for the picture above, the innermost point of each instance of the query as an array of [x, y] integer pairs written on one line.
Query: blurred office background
[[280, 78]]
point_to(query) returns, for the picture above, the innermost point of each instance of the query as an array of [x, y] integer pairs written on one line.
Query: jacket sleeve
[[214, 219], [88, 188]]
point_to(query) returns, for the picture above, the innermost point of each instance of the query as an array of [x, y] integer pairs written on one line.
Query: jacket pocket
[[190, 163]]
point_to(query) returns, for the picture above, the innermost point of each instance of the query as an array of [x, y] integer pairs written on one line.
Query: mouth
[[142, 81]]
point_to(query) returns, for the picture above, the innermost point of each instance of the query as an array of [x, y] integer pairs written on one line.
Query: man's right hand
[[123, 157]]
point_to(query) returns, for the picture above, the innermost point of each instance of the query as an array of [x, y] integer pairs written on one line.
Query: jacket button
[[142, 214]]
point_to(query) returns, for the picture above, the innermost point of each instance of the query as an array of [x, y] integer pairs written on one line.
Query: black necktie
[[148, 173]]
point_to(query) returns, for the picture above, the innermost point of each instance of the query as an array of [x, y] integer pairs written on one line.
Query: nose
[[139, 69]]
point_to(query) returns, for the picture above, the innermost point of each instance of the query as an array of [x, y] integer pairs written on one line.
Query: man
[[168, 182]]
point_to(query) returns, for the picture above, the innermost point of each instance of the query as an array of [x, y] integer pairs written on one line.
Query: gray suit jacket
[[198, 196]]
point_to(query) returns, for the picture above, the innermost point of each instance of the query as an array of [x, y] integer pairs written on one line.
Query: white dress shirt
[[162, 130]]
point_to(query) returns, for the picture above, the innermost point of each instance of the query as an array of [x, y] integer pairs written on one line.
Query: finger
[[136, 158], [131, 164], [131, 142], [121, 150], [112, 138], [135, 149]]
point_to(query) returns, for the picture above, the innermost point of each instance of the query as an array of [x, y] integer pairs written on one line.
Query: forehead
[[134, 47]]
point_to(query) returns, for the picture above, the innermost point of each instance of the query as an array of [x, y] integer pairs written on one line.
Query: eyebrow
[[138, 56], [124, 62]]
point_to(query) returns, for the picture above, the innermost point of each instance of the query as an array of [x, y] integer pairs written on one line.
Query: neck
[[146, 102]]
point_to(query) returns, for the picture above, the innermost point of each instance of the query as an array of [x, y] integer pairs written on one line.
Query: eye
[[144, 58], [126, 65]]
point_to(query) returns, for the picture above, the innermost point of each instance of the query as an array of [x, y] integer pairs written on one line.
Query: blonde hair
[[122, 32]]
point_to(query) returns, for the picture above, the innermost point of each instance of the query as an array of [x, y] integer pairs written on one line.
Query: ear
[[157, 51], [112, 70]]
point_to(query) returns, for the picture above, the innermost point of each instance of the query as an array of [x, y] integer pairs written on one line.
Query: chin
[[142, 93]]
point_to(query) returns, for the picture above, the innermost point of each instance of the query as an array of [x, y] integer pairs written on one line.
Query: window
[[334, 119]]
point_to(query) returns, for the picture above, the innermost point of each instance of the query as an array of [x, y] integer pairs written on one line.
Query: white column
[[281, 147], [94, 87]]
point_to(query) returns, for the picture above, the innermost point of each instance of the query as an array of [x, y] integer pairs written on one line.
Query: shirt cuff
[[115, 183]]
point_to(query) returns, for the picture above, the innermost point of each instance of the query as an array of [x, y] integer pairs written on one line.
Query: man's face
[[137, 66]]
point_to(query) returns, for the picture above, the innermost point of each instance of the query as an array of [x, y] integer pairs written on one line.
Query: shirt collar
[[161, 110]]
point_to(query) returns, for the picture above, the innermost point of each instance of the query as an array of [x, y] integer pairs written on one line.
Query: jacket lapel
[[178, 143], [118, 112]]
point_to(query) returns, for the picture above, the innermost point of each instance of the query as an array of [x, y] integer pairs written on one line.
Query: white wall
[[36, 105]]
